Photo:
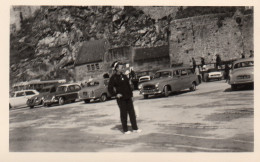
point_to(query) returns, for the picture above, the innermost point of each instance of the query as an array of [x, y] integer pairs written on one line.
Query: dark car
[[64, 93], [38, 99]]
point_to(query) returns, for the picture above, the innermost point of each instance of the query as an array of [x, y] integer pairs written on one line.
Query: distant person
[[119, 86], [243, 56], [193, 64], [218, 61], [251, 53], [226, 72], [202, 61]]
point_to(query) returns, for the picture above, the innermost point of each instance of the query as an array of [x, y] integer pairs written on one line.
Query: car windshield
[[140, 74], [12, 94], [162, 74], [244, 64], [213, 70], [61, 89], [45, 90], [93, 83]]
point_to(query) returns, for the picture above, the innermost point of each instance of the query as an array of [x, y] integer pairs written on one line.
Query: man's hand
[[119, 95]]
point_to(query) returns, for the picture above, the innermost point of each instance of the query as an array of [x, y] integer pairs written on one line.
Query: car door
[[20, 100], [175, 81], [184, 79], [70, 93]]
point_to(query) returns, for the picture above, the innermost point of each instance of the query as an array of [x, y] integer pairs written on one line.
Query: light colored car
[[95, 89], [169, 80], [64, 93], [213, 74], [242, 72], [19, 98]]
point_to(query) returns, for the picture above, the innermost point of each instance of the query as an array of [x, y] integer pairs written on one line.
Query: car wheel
[[146, 96], [103, 98], [10, 106], [86, 101], [61, 101], [233, 87], [31, 107], [193, 87], [72, 101], [166, 91]]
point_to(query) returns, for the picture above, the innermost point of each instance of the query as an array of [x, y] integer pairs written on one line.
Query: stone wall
[[82, 73], [206, 36]]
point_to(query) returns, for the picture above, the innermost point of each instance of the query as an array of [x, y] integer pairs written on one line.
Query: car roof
[[25, 90], [68, 84], [244, 59], [175, 68]]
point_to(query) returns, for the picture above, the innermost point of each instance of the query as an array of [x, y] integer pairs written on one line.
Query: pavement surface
[[211, 119]]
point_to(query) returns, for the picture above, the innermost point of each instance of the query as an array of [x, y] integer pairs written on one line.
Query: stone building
[[228, 35], [90, 59]]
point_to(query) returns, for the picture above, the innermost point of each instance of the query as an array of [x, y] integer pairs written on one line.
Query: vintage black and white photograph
[[131, 79]]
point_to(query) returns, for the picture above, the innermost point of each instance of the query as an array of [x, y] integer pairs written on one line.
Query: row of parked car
[[162, 83]]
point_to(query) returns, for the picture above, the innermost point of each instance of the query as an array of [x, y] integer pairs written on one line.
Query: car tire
[[10, 106], [166, 91], [103, 97], [72, 101], [146, 96], [193, 87], [31, 107], [87, 101], [233, 87], [61, 101]]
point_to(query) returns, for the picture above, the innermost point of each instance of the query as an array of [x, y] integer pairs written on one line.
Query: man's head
[[118, 67]]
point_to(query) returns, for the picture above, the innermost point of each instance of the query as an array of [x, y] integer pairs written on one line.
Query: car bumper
[[215, 77], [81, 98], [48, 102], [241, 82], [150, 92]]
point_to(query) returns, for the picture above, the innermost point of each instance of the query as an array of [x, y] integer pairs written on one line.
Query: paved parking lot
[[211, 119]]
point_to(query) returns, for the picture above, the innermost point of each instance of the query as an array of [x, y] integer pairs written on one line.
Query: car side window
[[53, 89], [20, 94], [71, 88], [183, 72], [77, 88], [189, 71], [29, 93]]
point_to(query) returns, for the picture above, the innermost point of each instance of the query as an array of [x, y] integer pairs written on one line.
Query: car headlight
[[140, 86], [157, 85]]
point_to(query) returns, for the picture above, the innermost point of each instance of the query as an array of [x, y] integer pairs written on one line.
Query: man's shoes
[[128, 132], [137, 131]]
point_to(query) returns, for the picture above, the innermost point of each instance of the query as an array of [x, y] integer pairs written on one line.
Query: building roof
[[151, 52], [91, 51]]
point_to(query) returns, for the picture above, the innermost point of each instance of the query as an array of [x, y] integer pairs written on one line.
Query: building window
[[88, 66], [92, 67], [97, 66]]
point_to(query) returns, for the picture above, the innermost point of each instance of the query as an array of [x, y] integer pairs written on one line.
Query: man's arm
[[111, 84]]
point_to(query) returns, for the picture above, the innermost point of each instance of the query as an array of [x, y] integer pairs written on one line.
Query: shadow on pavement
[[240, 88]]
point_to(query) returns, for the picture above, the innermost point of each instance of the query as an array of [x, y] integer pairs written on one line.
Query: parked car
[[169, 80], [38, 99], [242, 72], [213, 74], [64, 93], [97, 89], [19, 98], [141, 76]]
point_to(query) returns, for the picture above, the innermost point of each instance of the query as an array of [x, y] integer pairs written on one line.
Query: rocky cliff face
[[46, 45]]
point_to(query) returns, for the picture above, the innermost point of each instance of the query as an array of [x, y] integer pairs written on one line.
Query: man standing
[[119, 86], [218, 61], [193, 64]]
